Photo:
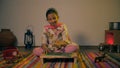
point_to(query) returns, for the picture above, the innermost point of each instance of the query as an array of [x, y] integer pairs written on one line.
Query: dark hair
[[51, 10]]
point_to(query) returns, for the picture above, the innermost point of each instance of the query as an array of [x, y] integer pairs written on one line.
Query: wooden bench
[[59, 56]]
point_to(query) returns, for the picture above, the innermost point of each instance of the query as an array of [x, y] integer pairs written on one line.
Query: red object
[[109, 38], [112, 37], [9, 54]]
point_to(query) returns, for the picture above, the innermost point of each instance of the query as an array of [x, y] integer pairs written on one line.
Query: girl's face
[[52, 19]]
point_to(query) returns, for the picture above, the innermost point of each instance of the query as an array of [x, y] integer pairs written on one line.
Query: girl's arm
[[65, 35], [45, 48], [45, 42]]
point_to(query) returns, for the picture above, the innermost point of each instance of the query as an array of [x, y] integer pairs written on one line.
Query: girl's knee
[[71, 48], [37, 51]]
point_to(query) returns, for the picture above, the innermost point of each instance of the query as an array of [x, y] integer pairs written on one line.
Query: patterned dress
[[59, 33], [51, 34]]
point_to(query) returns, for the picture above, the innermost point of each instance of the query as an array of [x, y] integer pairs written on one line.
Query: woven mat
[[89, 59], [36, 62]]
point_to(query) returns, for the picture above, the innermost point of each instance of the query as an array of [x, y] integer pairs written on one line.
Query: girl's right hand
[[46, 49]]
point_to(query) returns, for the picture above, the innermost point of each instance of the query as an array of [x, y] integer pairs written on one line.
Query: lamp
[[28, 39]]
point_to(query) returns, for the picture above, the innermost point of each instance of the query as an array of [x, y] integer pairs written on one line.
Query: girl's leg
[[37, 51], [71, 48]]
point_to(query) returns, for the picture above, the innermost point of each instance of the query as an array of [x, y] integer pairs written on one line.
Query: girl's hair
[[51, 10]]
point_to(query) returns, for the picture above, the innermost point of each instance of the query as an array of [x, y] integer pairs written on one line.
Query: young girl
[[55, 35]]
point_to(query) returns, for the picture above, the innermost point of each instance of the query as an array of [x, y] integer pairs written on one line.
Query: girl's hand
[[46, 49]]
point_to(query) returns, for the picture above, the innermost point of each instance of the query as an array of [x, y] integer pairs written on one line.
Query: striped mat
[[88, 58], [35, 62]]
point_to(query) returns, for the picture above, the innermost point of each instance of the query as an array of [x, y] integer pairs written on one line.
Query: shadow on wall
[[81, 39]]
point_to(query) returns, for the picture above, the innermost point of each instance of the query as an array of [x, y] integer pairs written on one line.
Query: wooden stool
[[58, 56]]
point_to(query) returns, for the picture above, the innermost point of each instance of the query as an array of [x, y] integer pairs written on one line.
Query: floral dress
[[52, 33]]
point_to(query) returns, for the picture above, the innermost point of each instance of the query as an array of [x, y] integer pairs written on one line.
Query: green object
[[61, 54]]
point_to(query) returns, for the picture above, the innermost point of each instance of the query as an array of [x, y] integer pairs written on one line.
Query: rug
[[88, 58], [4, 64], [35, 62], [85, 60]]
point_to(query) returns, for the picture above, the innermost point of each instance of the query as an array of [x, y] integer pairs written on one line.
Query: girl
[[55, 35]]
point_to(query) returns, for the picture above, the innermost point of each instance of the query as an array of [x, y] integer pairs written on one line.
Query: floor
[[95, 49]]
